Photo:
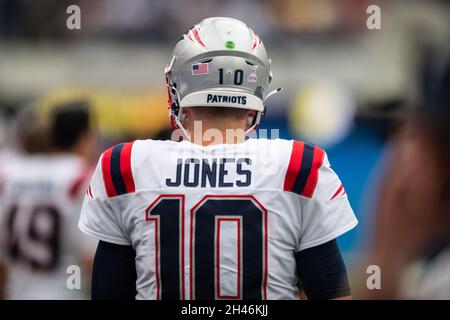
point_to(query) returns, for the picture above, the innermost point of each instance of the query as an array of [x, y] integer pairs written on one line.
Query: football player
[[212, 218], [41, 196]]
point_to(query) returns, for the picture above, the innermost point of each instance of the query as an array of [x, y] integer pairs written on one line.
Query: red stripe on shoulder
[[125, 167], [106, 173], [313, 177], [294, 165], [89, 192], [338, 192]]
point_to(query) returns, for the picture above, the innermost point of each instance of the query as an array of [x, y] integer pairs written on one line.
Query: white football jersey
[[216, 222], [41, 197]]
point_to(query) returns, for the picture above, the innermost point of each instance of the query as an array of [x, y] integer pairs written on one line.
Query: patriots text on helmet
[[217, 98]]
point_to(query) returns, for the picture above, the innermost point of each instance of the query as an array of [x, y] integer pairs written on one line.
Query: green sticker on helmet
[[230, 44]]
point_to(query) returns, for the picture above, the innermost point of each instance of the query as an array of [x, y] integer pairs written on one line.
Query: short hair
[[68, 122], [220, 113]]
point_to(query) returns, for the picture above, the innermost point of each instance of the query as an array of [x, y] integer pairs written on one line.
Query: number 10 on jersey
[[221, 237]]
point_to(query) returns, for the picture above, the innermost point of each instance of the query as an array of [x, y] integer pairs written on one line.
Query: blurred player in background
[[411, 243], [28, 135], [41, 197], [217, 217]]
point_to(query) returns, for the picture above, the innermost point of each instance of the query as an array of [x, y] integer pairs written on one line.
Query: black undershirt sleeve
[[322, 272], [114, 272]]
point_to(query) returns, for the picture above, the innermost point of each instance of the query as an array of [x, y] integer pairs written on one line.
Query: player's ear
[[250, 117]]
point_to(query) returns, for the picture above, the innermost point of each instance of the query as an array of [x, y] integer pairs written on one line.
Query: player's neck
[[207, 133]]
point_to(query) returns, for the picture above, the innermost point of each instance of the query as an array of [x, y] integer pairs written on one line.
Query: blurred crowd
[[162, 19]]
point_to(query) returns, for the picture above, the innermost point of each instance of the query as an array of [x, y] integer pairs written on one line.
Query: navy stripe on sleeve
[[305, 169], [117, 179]]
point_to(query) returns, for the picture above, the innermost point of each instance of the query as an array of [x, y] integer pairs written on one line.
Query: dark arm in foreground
[[114, 273], [322, 272]]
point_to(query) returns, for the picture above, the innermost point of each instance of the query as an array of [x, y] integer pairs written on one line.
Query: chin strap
[[259, 114], [181, 127], [255, 123], [250, 129]]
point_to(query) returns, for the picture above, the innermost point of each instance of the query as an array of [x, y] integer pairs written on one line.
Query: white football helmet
[[220, 62]]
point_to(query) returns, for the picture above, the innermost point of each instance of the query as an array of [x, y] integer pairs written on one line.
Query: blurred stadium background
[[344, 85]]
